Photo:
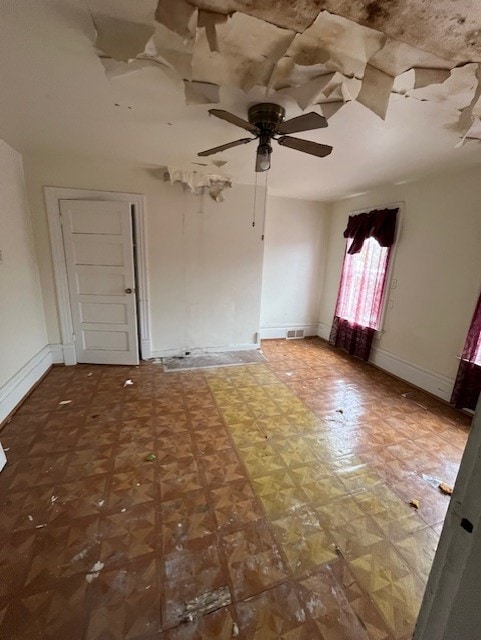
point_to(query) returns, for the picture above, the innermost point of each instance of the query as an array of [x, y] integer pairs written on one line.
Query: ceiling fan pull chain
[[265, 206], [255, 203]]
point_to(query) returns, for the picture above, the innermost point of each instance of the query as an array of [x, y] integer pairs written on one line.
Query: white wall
[[204, 269], [23, 336], [294, 263], [437, 267]]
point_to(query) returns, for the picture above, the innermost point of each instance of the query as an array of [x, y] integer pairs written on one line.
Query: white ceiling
[[55, 96]]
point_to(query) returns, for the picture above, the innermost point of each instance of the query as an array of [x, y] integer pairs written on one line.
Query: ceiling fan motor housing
[[266, 116]]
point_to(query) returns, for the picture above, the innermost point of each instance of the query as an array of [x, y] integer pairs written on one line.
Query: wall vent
[[294, 334]]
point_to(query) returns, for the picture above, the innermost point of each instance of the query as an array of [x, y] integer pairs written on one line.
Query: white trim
[[57, 353], [171, 353], [3, 457], [274, 333], [52, 197], [435, 383], [324, 331], [15, 389]]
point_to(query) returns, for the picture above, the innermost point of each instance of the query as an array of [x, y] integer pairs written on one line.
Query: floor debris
[[411, 396], [434, 482], [128, 383], [151, 457], [94, 571], [65, 402], [414, 503], [445, 488], [235, 630], [206, 603], [40, 526]]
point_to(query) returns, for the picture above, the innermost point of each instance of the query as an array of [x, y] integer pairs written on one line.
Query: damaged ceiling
[[399, 83]]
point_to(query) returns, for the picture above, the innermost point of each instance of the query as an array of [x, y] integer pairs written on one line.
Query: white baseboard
[[15, 389], [432, 382], [275, 333], [435, 383], [195, 351], [324, 330], [145, 349], [57, 353], [69, 354]]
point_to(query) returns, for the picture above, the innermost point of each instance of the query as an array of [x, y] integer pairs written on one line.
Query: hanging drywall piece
[[198, 181], [473, 110], [289, 74], [250, 49], [209, 21], [310, 92], [397, 57], [472, 135], [341, 44], [119, 39], [375, 90], [328, 109], [219, 163], [201, 92], [169, 48], [456, 92], [424, 77], [114, 69], [177, 15]]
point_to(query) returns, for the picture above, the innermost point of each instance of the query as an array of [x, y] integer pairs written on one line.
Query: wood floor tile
[[286, 484]]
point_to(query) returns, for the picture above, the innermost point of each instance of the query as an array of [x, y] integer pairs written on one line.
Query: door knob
[[128, 290]]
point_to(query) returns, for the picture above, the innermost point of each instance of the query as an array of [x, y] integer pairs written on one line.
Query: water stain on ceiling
[[316, 52]]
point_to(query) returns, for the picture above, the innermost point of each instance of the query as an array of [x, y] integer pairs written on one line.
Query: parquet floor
[[286, 484]]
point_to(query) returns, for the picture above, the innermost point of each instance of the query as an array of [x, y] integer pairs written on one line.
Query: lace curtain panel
[[366, 261]]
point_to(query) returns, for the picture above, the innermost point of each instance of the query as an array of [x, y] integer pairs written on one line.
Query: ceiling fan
[[266, 122]]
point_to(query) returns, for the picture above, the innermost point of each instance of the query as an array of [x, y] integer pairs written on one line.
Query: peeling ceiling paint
[[333, 60], [114, 81], [447, 28]]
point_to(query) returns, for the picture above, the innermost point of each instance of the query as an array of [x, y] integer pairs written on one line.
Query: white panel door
[[99, 252]]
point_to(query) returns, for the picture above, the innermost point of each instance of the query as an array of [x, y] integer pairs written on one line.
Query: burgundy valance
[[379, 224]]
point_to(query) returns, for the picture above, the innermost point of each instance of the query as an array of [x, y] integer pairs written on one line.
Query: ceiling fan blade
[[230, 117], [224, 147], [306, 122], [314, 148]]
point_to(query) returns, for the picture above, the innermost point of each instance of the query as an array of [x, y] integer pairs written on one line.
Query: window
[[362, 284]]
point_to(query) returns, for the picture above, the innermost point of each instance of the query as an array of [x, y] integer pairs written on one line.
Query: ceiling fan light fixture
[[263, 161]]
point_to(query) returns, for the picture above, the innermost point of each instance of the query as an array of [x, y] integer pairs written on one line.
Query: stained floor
[[285, 483]]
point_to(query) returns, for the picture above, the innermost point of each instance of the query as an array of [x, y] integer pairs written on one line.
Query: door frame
[[52, 197]]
